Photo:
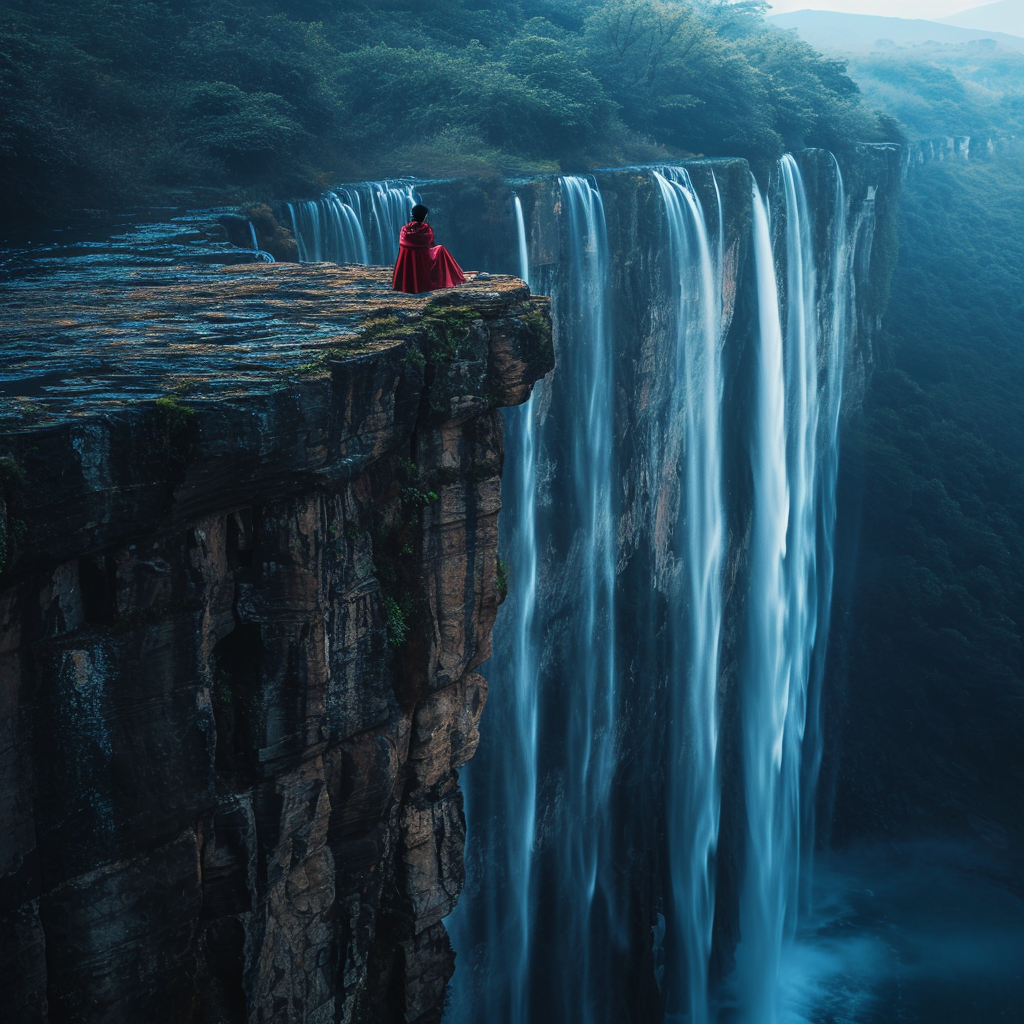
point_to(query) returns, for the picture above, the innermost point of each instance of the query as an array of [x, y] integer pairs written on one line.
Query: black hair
[[419, 213]]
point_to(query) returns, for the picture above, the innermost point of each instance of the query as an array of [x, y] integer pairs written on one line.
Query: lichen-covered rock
[[257, 570]]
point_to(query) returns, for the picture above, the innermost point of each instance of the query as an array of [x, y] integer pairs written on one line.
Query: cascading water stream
[[329, 229], [510, 785], [545, 918], [693, 788], [263, 257], [522, 245], [587, 389], [766, 695], [356, 224], [839, 309], [531, 934], [390, 207], [801, 541], [795, 459]]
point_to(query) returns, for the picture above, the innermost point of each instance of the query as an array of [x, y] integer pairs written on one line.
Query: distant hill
[[830, 30], [1004, 16]]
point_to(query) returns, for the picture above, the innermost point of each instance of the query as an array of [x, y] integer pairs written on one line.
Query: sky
[[929, 9]]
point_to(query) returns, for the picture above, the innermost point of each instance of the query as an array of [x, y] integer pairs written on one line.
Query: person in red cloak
[[422, 266]]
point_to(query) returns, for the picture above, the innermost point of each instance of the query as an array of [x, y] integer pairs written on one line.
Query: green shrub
[[395, 622], [175, 433]]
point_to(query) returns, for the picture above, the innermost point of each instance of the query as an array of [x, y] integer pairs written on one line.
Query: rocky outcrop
[[960, 148], [248, 567]]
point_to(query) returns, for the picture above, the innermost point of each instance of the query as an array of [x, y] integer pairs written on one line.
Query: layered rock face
[[249, 567], [955, 148]]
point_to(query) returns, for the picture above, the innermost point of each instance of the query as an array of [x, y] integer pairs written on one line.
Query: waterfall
[[529, 928], [521, 242], [692, 791], [839, 309], [605, 752], [503, 783], [353, 224], [589, 718], [794, 459], [765, 695], [519, 426], [261, 255], [391, 206], [329, 229]]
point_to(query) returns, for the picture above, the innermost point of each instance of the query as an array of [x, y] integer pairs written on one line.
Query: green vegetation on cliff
[[112, 101], [934, 703], [937, 646], [968, 89]]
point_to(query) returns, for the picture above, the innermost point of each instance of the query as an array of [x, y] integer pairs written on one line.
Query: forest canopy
[[112, 101], [972, 89], [937, 631]]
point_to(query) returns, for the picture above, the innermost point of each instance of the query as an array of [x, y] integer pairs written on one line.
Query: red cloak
[[422, 266]]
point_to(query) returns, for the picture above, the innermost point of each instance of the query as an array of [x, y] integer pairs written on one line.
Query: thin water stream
[[692, 796]]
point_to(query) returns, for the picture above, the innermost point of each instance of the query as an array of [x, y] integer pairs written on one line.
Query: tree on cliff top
[[117, 101]]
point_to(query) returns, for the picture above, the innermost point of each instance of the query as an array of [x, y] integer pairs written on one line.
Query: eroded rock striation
[[248, 567]]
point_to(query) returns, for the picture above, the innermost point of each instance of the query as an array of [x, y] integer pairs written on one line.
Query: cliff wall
[[960, 148], [587, 758], [249, 569]]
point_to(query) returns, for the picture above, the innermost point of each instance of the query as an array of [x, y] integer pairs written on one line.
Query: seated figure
[[422, 266]]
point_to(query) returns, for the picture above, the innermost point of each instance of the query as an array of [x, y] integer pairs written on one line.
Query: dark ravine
[[239, 629]]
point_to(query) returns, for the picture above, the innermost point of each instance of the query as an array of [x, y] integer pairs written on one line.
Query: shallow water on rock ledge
[[138, 238]]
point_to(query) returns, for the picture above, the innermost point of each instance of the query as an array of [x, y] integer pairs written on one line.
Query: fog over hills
[[1002, 16], [835, 31]]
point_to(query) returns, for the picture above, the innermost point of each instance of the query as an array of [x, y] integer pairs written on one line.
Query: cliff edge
[[248, 565]]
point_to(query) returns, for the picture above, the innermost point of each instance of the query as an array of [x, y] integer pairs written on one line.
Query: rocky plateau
[[248, 566]]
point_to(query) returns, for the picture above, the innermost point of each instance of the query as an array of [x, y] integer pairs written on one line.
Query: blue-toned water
[[669, 509], [587, 723], [559, 747], [693, 441], [501, 803], [771, 714], [904, 933], [353, 224], [795, 448]]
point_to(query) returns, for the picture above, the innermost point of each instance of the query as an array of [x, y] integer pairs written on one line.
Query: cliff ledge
[[248, 565]]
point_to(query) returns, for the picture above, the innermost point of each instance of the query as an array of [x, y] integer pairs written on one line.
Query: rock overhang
[[157, 394]]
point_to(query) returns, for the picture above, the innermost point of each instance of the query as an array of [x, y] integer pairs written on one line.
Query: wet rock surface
[[249, 561]]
